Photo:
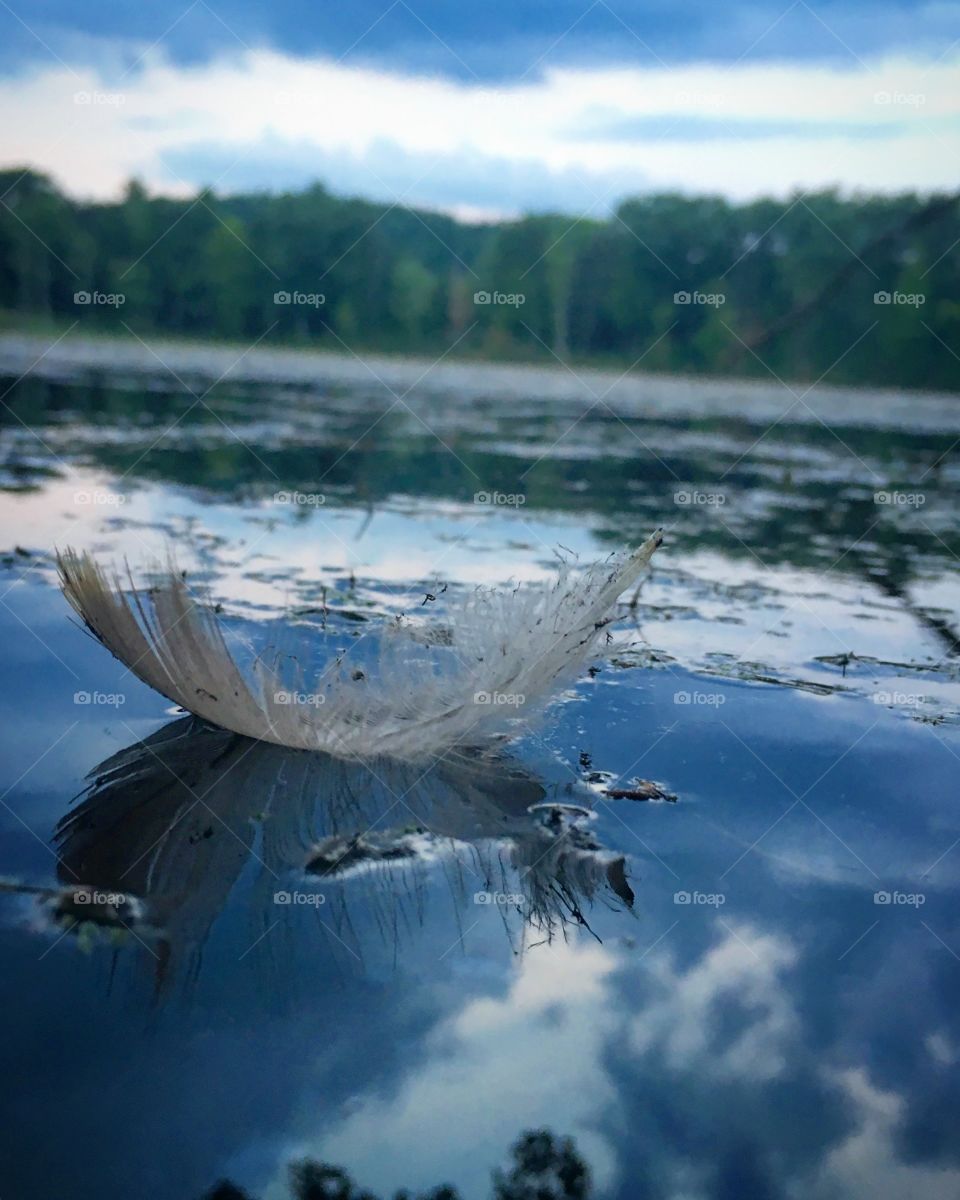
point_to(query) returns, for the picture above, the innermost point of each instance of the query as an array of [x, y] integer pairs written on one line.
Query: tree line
[[865, 289]]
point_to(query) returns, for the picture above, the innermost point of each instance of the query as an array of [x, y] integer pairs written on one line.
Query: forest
[[862, 289]]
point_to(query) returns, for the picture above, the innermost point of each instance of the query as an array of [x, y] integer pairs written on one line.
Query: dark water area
[[745, 985]]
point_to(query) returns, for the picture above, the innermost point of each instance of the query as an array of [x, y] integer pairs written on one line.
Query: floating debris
[[109, 909], [642, 789], [336, 857]]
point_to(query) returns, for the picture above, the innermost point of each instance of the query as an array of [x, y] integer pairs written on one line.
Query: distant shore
[[198, 365]]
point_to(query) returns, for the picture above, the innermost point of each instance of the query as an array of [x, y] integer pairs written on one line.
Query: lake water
[[750, 991]]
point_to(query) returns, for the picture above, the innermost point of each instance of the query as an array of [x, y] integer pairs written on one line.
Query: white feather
[[501, 656]]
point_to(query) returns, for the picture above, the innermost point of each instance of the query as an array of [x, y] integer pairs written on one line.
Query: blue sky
[[496, 40], [484, 109]]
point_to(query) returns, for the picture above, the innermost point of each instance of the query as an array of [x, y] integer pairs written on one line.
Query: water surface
[[748, 991]]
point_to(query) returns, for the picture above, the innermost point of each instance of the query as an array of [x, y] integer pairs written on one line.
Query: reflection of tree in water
[[543, 1167], [171, 825]]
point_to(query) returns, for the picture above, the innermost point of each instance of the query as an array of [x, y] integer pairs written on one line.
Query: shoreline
[[626, 394]]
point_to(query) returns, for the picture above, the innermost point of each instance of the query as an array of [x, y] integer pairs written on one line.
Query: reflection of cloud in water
[[682, 1020], [533, 1056], [404, 543], [866, 1162], [725, 1031], [785, 1121], [539, 1053], [943, 1050]]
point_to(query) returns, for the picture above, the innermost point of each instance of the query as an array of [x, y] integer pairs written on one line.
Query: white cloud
[[681, 1022], [533, 1057], [866, 1163], [345, 120]]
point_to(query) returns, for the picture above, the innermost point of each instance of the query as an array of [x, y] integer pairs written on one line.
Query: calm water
[[711, 996]]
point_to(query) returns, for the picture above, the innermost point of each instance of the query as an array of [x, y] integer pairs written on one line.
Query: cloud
[[458, 182], [573, 140], [680, 127], [867, 1162], [498, 41], [531, 1057], [683, 1025]]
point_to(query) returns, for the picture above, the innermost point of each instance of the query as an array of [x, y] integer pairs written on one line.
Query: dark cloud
[[498, 40]]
